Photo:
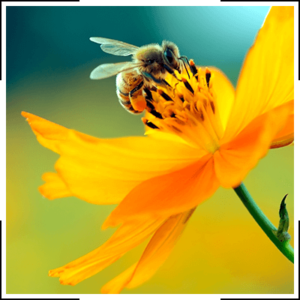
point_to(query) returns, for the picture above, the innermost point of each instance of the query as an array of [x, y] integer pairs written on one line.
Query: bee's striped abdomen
[[125, 102], [126, 84]]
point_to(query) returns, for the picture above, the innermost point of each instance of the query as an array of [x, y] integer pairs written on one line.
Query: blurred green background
[[49, 59]]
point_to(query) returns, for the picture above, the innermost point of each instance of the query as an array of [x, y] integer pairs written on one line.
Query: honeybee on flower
[[203, 135], [135, 79]]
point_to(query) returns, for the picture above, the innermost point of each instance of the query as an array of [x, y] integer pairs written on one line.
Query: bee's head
[[171, 55]]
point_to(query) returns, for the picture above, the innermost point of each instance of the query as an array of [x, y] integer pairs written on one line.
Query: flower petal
[[267, 77], [155, 254], [235, 159], [116, 285], [286, 135], [103, 171], [124, 239], [54, 187], [49, 134], [169, 194], [224, 94]]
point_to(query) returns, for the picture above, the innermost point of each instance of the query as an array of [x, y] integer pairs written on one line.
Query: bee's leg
[[149, 77], [187, 61], [137, 100], [166, 83], [171, 72]]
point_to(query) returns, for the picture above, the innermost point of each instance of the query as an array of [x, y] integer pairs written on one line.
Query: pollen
[[187, 108]]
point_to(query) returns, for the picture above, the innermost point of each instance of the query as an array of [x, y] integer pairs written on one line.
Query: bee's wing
[[115, 47], [108, 70]]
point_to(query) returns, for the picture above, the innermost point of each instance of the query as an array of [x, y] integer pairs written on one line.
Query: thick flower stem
[[260, 218]]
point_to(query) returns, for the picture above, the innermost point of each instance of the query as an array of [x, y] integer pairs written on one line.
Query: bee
[[148, 68]]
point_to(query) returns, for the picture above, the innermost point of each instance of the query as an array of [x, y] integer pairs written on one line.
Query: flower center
[[187, 108]]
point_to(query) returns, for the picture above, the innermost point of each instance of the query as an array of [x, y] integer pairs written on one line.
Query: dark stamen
[[187, 105], [149, 104], [151, 125], [148, 93], [207, 77], [212, 106], [181, 98], [164, 95], [166, 82], [175, 128], [187, 85], [156, 114], [201, 115], [173, 115], [193, 67]]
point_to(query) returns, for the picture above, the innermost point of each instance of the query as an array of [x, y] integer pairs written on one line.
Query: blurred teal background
[[49, 59]]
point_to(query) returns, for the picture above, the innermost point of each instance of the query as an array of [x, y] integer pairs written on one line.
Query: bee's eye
[[169, 55], [150, 61]]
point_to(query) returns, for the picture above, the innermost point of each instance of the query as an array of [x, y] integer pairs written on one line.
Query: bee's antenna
[[184, 57]]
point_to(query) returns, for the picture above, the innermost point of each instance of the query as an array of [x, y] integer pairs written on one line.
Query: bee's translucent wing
[[115, 47], [108, 70]]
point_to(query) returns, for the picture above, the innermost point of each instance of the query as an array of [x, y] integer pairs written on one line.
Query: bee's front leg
[[137, 100], [161, 82]]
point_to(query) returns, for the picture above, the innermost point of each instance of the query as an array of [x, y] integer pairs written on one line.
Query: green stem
[[264, 222]]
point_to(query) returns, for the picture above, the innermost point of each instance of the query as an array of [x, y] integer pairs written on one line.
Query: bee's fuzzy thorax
[[148, 52]]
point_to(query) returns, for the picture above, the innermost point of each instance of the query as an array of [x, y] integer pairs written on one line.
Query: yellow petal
[[169, 194], [286, 135], [49, 134], [267, 77], [116, 285], [54, 187], [224, 94], [235, 159], [155, 254], [124, 239], [103, 171]]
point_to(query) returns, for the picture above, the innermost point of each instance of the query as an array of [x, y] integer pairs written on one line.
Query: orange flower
[[202, 135]]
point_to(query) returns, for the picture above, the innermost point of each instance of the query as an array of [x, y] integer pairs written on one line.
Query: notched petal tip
[[49, 134], [54, 273], [25, 114], [54, 187], [45, 128]]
